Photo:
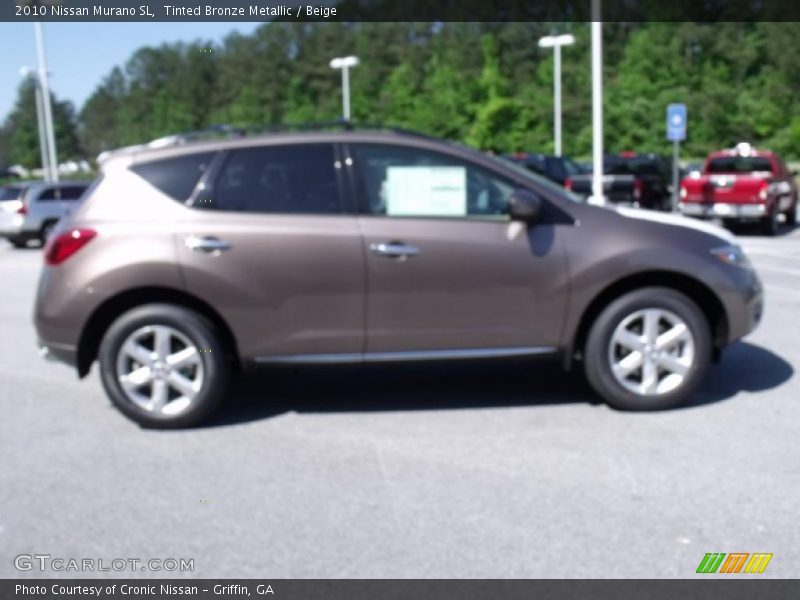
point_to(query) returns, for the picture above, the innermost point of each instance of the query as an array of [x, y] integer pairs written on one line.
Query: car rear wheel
[[770, 225], [46, 231], [163, 366], [648, 350], [791, 215]]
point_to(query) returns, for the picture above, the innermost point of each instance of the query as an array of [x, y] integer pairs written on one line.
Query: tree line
[[486, 84]]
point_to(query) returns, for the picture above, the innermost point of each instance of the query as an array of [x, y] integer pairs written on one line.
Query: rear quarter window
[[177, 176]]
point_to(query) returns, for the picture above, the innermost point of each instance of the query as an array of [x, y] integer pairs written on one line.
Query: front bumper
[[744, 304], [58, 352], [723, 210]]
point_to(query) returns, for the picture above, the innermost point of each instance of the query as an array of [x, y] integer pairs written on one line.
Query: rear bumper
[[723, 210]]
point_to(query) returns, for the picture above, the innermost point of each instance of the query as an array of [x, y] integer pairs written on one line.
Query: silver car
[[30, 211]]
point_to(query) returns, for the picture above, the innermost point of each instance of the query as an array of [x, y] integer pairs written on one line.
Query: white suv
[[30, 211]]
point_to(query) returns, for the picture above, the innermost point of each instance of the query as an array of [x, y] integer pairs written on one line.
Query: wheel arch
[[694, 289], [107, 312]]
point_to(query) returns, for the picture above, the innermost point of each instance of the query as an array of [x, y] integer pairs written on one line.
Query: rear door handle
[[209, 245], [394, 249]]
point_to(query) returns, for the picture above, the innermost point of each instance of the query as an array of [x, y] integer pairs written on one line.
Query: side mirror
[[524, 205]]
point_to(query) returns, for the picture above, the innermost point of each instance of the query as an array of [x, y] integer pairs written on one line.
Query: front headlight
[[732, 255]]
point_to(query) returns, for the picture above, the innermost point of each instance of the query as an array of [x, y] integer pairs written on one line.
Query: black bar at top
[[400, 10]]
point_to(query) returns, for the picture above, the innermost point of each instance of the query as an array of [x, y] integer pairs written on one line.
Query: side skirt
[[417, 355]]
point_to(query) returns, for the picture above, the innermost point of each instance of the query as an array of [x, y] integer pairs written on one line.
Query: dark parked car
[[638, 180], [188, 263], [556, 168]]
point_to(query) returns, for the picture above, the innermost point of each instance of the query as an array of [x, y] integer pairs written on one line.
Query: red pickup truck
[[743, 184]]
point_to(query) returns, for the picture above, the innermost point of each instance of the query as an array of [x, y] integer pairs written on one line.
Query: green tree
[[21, 129]]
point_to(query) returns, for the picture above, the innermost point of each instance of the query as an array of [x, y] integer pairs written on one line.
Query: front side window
[[277, 179], [399, 181], [177, 176]]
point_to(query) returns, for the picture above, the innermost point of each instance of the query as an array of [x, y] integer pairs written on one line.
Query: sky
[[79, 55]]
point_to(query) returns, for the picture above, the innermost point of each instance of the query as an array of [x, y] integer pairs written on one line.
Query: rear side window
[[297, 179], [73, 192], [177, 176]]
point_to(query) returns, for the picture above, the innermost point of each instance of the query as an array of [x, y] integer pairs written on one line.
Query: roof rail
[[178, 139], [222, 130], [335, 124]]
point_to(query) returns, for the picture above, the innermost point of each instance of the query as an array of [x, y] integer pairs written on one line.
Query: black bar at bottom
[[714, 587]]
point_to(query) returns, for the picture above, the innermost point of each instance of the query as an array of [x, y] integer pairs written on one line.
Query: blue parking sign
[[676, 122]]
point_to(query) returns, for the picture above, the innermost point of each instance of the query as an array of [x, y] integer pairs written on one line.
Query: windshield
[[739, 164]]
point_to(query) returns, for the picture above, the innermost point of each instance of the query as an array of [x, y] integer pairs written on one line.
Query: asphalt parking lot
[[469, 470]]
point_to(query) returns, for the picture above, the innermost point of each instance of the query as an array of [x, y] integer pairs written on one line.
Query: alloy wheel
[[160, 370], [651, 352]]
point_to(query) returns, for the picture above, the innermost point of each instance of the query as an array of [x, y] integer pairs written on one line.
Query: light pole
[[344, 63], [47, 107], [555, 42], [28, 73], [597, 104]]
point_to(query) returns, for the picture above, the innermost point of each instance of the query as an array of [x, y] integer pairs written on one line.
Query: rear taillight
[[568, 184], [684, 192], [22, 209], [763, 190], [66, 244], [637, 189]]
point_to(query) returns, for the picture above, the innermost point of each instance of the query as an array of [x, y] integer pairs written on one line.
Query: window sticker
[[426, 191]]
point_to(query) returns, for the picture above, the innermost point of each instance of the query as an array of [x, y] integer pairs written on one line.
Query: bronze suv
[[192, 260]]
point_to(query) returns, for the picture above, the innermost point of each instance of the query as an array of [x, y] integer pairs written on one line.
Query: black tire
[[597, 359], [46, 231], [791, 215], [199, 331], [770, 225]]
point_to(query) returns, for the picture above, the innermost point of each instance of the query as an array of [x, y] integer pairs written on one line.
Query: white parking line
[[789, 255], [795, 272], [781, 290]]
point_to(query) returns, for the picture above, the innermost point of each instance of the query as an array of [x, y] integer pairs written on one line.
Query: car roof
[[145, 153], [733, 152]]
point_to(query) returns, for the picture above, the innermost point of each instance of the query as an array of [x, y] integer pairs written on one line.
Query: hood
[[678, 221]]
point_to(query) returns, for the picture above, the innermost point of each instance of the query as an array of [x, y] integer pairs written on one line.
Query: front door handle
[[394, 250], [209, 245]]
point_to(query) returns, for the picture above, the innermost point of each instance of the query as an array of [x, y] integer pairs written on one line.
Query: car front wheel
[[648, 350], [163, 366]]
